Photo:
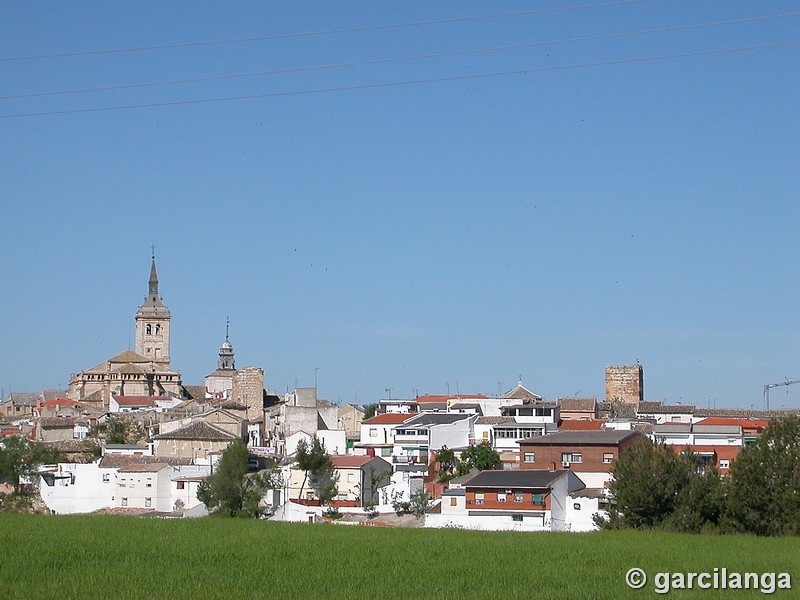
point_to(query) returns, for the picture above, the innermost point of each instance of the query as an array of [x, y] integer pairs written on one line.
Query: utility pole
[[772, 385]]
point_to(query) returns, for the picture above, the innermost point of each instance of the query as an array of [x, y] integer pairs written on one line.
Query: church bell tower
[[152, 323]]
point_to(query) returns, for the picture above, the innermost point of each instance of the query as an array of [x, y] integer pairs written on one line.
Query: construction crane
[[772, 385]]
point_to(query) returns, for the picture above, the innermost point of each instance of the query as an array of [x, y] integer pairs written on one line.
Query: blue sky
[[432, 237]]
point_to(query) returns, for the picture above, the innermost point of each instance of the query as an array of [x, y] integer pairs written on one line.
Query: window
[[516, 518], [501, 497], [124, 502], [453, 501], [373, 432], [478, 497], [181, 485], [486, 435], [571, 457], [724, 463], [576, 506], [529, 457], [148, 502], [148, 329], [386, 451], [158, 329], [518, 497], [608, 457], [351, 477], [149, 483], [537, 499], [106, 477]]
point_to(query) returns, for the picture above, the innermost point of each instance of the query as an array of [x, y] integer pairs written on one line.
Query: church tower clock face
[[152, 323]]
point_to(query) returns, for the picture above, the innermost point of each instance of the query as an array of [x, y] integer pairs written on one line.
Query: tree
[[646, 481], [20, 458], [447, 464], [317, 469], [481, 457], [119, 430], [376, 480], [369, 411], [764, 491], [230, 490], [654, 487], [420, 503], [700, 504]]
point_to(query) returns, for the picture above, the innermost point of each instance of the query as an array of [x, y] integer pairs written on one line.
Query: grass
[[122, 557]]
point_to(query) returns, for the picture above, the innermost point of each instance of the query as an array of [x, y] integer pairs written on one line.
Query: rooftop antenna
[[153, 251], [227, 327]]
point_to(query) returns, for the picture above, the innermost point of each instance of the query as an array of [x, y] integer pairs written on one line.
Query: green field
[[123, 557]]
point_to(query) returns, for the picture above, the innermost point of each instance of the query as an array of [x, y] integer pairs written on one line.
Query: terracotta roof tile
[[389, 418], [581, 425], [198, 430], [577, 404], [57, 422]]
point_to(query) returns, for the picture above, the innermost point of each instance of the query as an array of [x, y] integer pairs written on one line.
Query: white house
[[144, 486], [377, 434], [123, 480], [124, 404], [659, 413], [504, 433], [510, 500], [68, 488], [334, 440], [417, 437]]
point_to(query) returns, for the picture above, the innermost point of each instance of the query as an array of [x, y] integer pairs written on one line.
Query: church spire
[[153, 283], [152, 322]]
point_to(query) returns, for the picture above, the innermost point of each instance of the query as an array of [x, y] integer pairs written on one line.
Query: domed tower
[[152, 323], [226, 362], [219, 384]]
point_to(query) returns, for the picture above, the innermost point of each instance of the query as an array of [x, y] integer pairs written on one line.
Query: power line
[[400, 59], [283, 36], [400, 83]]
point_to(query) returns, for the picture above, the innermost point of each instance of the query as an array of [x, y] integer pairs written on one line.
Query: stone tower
[[248, 389], [624, 383], [152, 324]]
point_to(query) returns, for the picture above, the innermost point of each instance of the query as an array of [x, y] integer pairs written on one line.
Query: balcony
[[409, 460]]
